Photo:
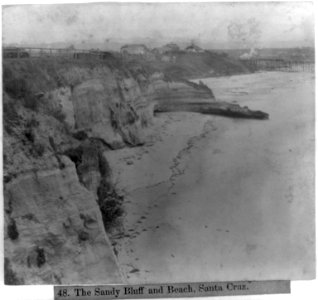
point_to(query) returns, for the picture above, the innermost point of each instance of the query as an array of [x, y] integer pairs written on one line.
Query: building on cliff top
[[194, 49], [171, 47], [134, 49]]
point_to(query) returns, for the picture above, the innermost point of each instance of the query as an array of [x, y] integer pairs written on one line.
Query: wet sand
[[214, 198]]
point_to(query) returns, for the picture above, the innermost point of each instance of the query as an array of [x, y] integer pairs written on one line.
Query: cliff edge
[[61, 117]]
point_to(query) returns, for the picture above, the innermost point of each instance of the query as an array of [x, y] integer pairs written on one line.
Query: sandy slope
[[214, 198]]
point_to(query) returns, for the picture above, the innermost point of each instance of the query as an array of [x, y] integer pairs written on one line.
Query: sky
[[210, 25]]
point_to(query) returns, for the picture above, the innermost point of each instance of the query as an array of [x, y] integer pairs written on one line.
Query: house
[[168, 58], [171, 47], [194, 49], [134, 49]]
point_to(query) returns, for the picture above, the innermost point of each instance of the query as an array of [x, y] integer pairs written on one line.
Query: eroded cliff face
[[59, 236], [54, 229], [103, 103], [60, 120], [184, 91]]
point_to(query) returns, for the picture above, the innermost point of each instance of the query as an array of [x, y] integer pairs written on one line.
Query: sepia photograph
[[149, 143]]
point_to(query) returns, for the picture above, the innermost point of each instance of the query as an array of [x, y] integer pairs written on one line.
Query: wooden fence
[[11, 53]]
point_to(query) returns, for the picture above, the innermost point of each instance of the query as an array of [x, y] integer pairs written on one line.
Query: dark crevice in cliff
[[109, 201], [89, 158], [75, 154], [55, 152]]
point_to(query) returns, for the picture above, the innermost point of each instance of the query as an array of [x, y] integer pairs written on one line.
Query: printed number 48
[[62, 293]]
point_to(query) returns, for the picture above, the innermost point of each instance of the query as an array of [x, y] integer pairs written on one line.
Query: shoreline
[[175, 149], [169, 133], [198, 185]]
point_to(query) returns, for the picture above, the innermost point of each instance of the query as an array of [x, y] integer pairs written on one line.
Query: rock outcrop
[[178, 91]]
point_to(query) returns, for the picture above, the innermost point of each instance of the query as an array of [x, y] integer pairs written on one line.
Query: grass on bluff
[[43, 73], [25, 79]]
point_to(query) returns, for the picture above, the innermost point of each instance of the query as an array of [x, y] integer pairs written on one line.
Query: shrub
[[110, 204], [111, 210], [28, 133], [15, 87], [7, 178], [12, 230], [40, 258], [18, 88]]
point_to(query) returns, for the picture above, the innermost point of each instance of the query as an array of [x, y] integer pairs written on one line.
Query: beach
[[213, 198]]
